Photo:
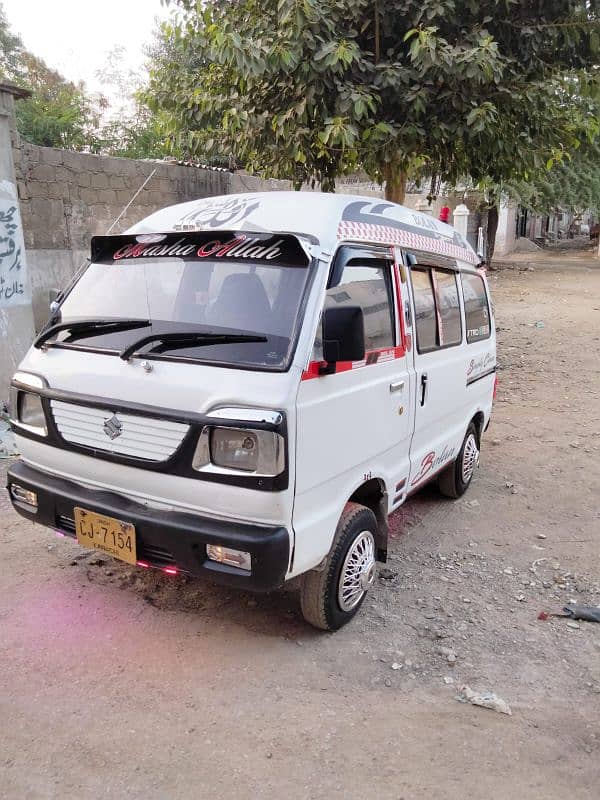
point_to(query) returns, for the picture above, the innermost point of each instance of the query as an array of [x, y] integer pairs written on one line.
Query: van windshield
[[222, 311]]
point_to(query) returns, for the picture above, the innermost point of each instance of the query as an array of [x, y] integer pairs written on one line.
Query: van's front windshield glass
[[180, 296]]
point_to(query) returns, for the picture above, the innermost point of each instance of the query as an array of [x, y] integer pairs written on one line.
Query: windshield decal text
[[241, 246]]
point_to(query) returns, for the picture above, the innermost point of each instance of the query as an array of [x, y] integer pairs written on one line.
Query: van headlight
[[234, 449], [25, 407], [30, 413], [241, 450]]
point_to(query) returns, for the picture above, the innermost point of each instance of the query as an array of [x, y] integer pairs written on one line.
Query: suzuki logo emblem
[[113, 427]]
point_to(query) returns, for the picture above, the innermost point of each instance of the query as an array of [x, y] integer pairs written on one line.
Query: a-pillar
[[16, 313]]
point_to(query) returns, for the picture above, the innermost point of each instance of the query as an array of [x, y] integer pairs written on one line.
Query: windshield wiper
[[173, 341], [91, 327]]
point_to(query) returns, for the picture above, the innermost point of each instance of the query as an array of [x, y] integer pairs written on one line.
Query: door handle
[[423, 388], [396, 386]]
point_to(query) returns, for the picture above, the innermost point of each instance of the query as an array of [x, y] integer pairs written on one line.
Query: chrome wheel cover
[[470, 458], [358, 571]]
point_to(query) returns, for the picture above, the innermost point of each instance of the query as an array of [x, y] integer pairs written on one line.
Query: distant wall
[[506, 236], [68, 197], [360, 185], [16, 317]]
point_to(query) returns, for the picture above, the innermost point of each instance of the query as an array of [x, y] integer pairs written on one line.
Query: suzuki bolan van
[[245, 387]]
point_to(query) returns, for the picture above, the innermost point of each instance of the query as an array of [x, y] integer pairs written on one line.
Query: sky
[[74, 36]]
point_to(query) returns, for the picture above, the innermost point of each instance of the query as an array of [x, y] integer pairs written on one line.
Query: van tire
[[452, 482], [353, 552]]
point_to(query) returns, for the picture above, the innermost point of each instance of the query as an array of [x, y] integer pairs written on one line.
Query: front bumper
[[163, 539]]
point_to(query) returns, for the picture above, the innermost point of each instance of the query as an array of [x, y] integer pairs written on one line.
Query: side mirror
[[343, 334]]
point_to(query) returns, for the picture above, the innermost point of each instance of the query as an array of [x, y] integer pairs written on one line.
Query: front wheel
[[455, 479], [333, 595]]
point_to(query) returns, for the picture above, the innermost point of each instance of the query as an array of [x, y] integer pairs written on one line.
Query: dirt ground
[[118, 683]]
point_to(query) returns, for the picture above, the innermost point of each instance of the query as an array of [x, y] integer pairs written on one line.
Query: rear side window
[[448, 307], [477, 312], [425, 318], [366, 283], [437, 308]]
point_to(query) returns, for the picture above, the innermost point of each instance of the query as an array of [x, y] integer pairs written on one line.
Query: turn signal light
[[24, 497], [227, 555]]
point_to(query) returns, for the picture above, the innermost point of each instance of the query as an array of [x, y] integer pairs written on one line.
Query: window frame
[[428, 265], [464, 304], [460, 305], [348, 252]]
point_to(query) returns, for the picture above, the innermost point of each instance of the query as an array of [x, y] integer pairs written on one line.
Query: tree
[[573, 185], [11, 50], [311, 89], [566, 177], [130, 129], [63, 114], [59, 113]]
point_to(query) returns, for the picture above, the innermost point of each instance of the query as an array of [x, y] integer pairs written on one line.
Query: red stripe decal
[[371, 358]]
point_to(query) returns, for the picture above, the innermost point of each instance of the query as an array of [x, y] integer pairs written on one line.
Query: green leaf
[[461, 91]]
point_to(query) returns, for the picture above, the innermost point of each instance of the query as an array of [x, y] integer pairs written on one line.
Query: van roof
[[326, 218]]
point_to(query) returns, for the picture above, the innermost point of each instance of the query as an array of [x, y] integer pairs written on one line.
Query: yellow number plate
[[105, 533]]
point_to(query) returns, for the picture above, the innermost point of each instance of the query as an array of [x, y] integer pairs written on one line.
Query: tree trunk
[[492, 228], [395, 183], [377, 34]]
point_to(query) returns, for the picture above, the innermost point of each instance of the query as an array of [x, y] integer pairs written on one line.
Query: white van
[[245, 387]]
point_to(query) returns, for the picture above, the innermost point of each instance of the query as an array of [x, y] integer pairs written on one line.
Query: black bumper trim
[[182, 534], [180, 461]]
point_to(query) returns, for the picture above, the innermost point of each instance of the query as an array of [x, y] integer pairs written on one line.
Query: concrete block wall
[[67, 197], [473, 200], [16, 317]]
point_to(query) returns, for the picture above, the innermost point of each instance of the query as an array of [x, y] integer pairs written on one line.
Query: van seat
[[241, 303]]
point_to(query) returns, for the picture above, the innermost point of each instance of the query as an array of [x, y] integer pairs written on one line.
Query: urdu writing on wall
[[14, 288]]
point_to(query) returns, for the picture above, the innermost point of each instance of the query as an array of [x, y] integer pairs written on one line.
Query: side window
[[366, 283], [425, 317], [477, 312], [448, 308], [437, 308]]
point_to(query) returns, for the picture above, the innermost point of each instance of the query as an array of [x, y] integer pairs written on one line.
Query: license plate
[[110, 535]]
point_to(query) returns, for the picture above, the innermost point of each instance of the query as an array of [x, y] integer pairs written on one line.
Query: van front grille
[[65, 524], [140, 437], [157, 556]]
